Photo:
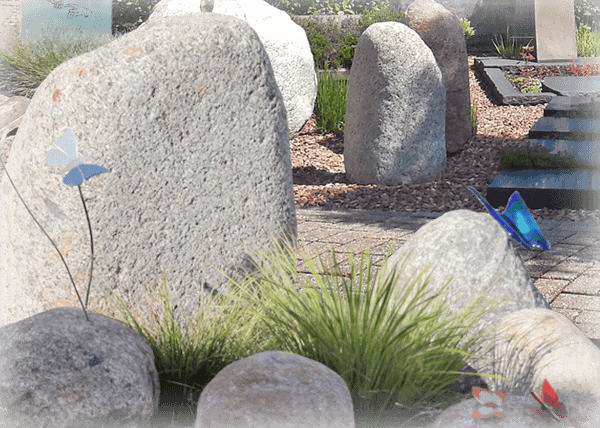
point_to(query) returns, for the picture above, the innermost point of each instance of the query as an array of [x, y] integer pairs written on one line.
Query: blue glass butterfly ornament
[[517, 222], [67, 154]]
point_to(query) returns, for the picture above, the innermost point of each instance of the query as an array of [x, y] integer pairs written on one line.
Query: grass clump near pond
[[407, 357]]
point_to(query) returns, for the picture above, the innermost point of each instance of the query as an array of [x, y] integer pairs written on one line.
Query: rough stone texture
[[187, 117], [286, 44], [11, 113], [551, 347], [524, 412], [49, 377], [474, 251], [442, 33], [394, 130], [276, 388]]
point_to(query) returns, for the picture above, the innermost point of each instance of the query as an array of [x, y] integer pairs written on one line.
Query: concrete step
[[564, 128], [570, 127], [574, 107], [586, 151], [551, 189]]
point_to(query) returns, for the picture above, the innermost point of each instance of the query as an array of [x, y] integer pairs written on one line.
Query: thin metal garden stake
[[78, 172]]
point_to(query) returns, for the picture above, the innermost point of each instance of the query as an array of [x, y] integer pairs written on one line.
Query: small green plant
[[336, 46], [467, 29], [527, 84], [508, 51], [346, 53], [588, 42], [332, 93], [474, 118]]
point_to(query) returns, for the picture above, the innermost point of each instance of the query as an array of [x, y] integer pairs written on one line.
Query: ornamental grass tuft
[[410, 356]]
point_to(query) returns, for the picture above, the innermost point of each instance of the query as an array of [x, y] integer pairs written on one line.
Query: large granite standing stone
[[286, 44], [442, 33], [188, 119], [395, 113]]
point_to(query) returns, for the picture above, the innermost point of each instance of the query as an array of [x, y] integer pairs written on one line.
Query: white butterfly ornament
[[67, 154]]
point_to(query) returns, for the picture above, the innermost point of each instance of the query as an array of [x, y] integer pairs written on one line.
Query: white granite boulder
[[395, 112], [276, 388], [474, 252], [286, 44], [187, 117], [442, 33], [523, 411], [548, 346], [57, 370]]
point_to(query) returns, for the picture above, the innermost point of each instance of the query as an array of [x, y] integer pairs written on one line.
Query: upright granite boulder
[[442, 32], [395, 112], [187, 118], [286, 44]]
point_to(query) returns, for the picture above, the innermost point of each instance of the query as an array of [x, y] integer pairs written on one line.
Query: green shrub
[[376, 15], [325, 40], [588, 42], [334, 46], [346, 53]]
